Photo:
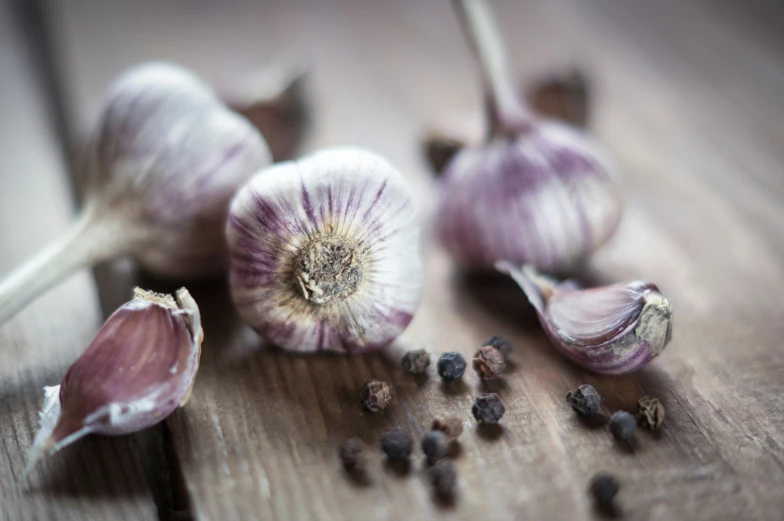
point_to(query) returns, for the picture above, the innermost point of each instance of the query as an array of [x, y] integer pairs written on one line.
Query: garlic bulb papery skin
[[139, 368], [536, 192], [169, 157], [165, 161], [613, 329], [325, 253], [275, 101]]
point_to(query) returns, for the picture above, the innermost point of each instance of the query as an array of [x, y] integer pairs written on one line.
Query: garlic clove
[[325, 252], [164, 162], [613, 329], [536, 192], [139, 368]]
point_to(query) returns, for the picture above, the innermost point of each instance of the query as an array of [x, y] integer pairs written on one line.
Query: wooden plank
[[100, 478], [697, 140]]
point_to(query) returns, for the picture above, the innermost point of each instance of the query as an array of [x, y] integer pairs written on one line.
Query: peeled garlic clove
[[165, 161], [535, 192], [139, 368], [610, 330], [325, 252]]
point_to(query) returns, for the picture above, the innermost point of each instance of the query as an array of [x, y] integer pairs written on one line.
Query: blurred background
[[685, 95]]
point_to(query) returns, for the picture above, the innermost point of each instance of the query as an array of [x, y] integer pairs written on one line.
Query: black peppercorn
[[584, 400], [450, 424], [501, 344], [415, 361], [443, 477], [650, 412], [435, 446], [488, 362], [622, 425], [375, 395], [397, 444], [603, 487], [488, 409], [451, 366], [352, 454]]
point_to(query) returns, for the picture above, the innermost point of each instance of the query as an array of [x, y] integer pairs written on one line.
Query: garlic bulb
[[165, 161], [611, 330], [139, 368], [536, 192], [324, 252]]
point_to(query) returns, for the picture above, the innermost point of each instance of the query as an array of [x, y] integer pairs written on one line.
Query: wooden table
[[689, 102]]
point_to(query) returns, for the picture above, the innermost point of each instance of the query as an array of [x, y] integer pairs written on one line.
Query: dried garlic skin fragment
[[650, 412], [563, 95], [613, 329], [139, 368], [275, 101]]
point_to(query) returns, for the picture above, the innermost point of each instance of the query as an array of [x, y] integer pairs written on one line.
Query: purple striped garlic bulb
[[165, 161], [613, 329], [536, 192], [325, 254], [139, 368]]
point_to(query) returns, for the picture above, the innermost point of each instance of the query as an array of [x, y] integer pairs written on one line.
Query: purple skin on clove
[[536, 192], [610, 330], [139, 368]]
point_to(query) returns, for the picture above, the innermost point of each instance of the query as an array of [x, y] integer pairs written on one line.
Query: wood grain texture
[[101, 478], [688, 102]]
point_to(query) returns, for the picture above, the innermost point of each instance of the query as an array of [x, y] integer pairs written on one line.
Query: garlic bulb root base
[[329, 268]]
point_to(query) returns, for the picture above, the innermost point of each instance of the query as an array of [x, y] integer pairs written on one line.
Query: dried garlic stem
[[87, 242], [509, 115]]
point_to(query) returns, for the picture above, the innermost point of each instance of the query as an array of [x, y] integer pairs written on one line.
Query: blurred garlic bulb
[[610, 330], [536, 192], [324, 252], [139, 368], [165, 161], [563, 95]]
